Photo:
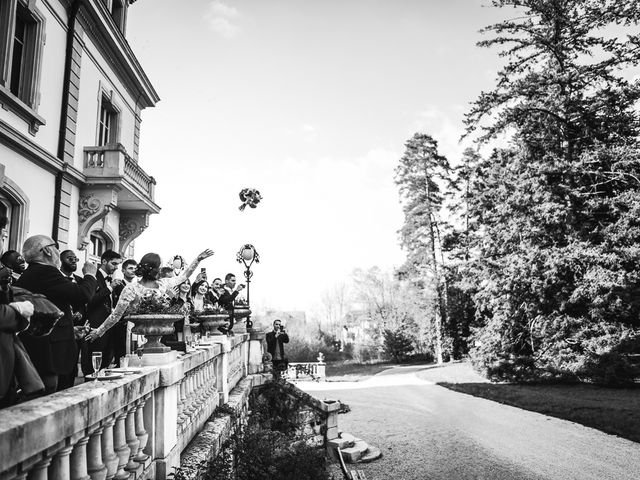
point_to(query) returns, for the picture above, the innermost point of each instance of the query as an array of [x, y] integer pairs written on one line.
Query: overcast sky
[[310, 102]]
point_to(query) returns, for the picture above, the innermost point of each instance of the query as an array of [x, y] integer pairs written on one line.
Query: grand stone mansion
[[72, 93]]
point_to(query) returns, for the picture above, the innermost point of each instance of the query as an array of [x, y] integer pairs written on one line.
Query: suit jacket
[[10, 322], [80, 307], [101, 304], [57, 352], [226, 300], [212, 297], [274, 342]]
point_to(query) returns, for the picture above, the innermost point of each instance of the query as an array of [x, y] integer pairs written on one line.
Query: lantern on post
[[248, 255]]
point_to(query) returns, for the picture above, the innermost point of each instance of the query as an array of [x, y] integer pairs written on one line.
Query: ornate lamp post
[[247, 255]]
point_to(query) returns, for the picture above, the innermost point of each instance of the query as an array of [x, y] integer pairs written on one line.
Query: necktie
[[108, 279]]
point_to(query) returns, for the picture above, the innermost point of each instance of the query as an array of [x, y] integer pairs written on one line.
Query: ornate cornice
[[102, 29]]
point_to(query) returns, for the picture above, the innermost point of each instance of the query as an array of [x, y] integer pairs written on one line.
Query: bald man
[[55, 355]]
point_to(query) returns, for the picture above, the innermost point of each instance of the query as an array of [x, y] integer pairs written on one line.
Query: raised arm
[[126, 297], [190, 269]]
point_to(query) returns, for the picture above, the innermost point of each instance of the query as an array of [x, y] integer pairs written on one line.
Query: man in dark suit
[[68, 267], [54, 355], [227, 297], [213, 295], [275, 346], [100, 307]]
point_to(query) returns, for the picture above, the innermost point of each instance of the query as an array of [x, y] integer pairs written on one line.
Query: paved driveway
[[429, 432]]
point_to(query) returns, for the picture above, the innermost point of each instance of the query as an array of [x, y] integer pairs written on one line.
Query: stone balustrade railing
[[238, 358], [198, 391], [132, 428], [90, 431], [307, 370], [112, 161]]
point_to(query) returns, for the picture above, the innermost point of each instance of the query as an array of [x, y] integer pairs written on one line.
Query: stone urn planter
[[210, 322], [153, 326], [241, 312]]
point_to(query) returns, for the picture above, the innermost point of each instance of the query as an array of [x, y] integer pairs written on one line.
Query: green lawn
[[614, 411], [353, 372]]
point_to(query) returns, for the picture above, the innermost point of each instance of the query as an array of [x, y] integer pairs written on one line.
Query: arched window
[[98, 244], [5, 212]]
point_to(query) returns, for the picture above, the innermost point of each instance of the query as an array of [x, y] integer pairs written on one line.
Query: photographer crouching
[[275, 346]]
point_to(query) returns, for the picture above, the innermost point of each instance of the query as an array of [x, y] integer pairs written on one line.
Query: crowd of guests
[[91, 303]]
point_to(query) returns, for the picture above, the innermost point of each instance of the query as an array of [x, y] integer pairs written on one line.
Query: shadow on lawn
[[612, 410]]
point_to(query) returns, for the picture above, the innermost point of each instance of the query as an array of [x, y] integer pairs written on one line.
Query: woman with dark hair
[[149, 284], [199, 292]]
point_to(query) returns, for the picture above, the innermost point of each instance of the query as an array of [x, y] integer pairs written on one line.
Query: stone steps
[[353, 449]]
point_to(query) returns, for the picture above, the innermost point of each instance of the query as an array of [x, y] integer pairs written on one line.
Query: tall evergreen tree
[[558, 265], [421, 175]]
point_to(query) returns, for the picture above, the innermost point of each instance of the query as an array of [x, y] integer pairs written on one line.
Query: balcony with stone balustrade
[[134, 427], [111, 166]]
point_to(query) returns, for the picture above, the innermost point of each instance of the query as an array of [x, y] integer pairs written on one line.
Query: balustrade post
[[181, 403], [141, 432], [191, 394], [200, 391], [120, 445], [109, 456], [40, 469], [211, 377], [96, 468], [59, 467], [131, 438], [78, 460]]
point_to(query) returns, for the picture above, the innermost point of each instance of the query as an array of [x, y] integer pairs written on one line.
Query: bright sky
[[310, 102]]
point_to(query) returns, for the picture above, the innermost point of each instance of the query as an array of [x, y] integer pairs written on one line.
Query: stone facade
[[72, 93]]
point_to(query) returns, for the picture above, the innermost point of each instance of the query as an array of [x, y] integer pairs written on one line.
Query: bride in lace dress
[[148, 284]]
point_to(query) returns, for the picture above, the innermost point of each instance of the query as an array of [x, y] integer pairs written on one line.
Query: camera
[[203, 270]]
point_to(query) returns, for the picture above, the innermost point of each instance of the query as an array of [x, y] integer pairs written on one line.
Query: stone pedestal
[[152, 359], [165, 405], [223, 372], [255, 352]]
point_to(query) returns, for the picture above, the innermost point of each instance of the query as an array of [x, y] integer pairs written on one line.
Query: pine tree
[[421, 175]]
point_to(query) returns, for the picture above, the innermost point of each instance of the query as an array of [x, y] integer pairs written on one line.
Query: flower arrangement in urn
[[153, 317], [152, 302], [211, 318], [241, 308]]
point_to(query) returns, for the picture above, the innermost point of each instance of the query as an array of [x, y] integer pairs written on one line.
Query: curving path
[[429, 432]]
